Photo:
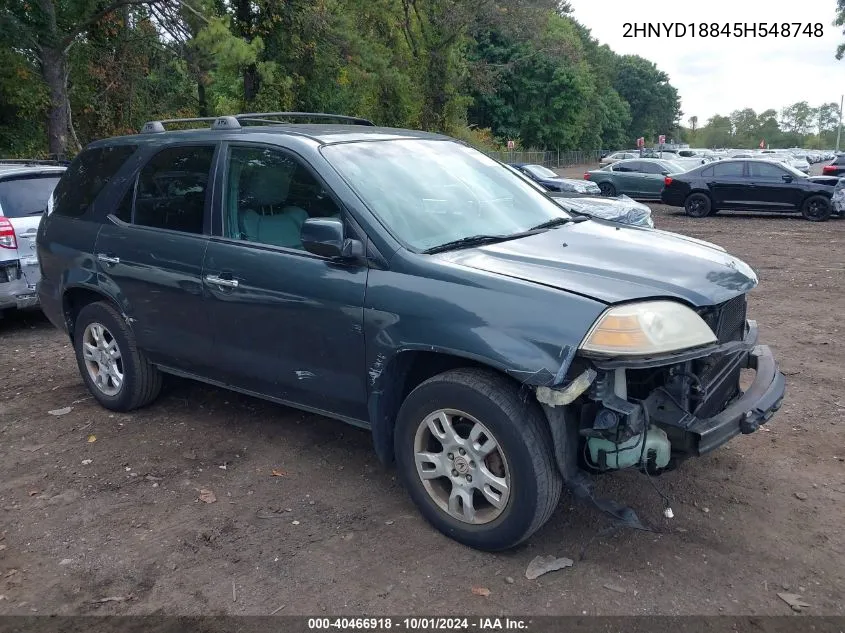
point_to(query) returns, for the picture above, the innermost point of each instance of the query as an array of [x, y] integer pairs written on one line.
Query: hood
[[613, 263]]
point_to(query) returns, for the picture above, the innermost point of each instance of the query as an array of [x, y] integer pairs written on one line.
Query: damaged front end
[[650, 412]]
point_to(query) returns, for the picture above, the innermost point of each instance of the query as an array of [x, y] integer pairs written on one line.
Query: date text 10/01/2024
[[722, 29], [419, 624]]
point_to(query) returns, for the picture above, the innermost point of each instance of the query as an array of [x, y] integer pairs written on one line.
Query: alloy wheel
[[103, 359], [462, 466]]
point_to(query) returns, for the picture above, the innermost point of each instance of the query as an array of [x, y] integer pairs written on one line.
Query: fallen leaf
[[481, 591], [278, 472], [85, 462], [61, 411], [32, 449], [206, 496], [92, 438], [12, 572], [794, 600], [32, 493], [544, 564], [112, 599], [615, 588], [2, 546]]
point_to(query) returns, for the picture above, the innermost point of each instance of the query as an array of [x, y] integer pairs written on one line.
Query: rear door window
[[86, 177], [732, 169], [28, 196], [172, 188]]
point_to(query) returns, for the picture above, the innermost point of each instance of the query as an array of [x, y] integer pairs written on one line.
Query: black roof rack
[[260, 118], [266, 117]]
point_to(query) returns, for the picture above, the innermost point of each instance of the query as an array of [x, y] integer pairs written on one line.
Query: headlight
[[651, 327]]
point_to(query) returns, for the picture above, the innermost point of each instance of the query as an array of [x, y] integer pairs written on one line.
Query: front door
[[150, 252], [287, 323], [774, 189]]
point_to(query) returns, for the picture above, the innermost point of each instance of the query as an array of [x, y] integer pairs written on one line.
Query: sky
[[720, 75]]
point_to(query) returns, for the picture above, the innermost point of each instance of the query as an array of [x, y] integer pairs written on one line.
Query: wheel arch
[[75, 298], [393, 379]]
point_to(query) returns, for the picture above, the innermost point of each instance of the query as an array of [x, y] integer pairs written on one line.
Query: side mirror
[[786, 178], [665, 172], [324, 237]]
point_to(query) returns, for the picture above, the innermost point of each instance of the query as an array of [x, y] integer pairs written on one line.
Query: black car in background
[[749, 185]]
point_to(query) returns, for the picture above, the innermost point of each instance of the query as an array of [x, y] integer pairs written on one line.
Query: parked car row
[[744, 182]]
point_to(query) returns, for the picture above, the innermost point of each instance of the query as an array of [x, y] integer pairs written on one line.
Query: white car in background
[[25, 188]]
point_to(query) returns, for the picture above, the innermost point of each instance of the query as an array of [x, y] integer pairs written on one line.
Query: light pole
[[839, 127]]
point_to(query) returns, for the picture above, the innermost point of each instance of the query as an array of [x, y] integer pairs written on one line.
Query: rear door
[[287, 323], [627, 177], [770, 188], [730, 186], [651, 179], [23, 200], [149, 253]]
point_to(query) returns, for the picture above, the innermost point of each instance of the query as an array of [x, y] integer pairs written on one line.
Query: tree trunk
[[54, 73], [201, 97], [250, 83], [244, 27], [433, 116]]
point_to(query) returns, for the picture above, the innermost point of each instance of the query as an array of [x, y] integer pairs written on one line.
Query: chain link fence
[[551, 159]]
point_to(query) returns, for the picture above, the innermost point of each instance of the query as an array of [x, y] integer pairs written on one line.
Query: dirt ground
[[97, 505]]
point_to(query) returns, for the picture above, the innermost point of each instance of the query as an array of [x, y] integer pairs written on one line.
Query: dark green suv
[[497, 346]]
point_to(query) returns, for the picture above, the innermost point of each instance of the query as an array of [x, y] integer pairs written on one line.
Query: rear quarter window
[[21, 197], [86, 177]]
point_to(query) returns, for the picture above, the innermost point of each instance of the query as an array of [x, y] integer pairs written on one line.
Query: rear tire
[[607, 189], [115, 371], [443, 430], [698, 205], [817, 209]]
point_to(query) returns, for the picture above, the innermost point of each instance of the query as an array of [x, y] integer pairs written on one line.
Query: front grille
[[727, 320]]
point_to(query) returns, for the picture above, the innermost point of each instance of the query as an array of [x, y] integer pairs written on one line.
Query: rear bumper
[[17, 294], [51, 303], [672, 198], [751, 410]]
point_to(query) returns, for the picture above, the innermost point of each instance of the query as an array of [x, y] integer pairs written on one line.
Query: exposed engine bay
[[651, 413]]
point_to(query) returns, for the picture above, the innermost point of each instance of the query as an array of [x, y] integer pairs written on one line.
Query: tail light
[[7, 234], [667, 181], [586, 175], [828, 169]]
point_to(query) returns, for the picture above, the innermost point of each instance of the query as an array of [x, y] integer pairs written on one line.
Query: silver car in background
[[25, 188]]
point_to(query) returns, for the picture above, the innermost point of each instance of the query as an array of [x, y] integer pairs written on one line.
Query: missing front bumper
[[752, 409], [697, 401]]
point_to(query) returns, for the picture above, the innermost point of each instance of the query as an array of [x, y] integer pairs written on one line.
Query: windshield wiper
[[472, 240], [550, 224]]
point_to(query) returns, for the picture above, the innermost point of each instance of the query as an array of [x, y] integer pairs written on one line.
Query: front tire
[[698, 205], [477, 461], [115, 371], [817, 209]]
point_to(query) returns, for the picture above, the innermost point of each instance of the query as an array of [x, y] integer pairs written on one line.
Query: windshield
[[540, 172], [674, 167], [428, 192], [792, 170], [25, 196]]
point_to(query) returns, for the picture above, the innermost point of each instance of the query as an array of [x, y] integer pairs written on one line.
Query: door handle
[[223, 283], [108, 259], [28, 234]]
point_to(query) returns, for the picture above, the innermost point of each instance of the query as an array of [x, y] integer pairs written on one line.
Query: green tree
[[654, 102]]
